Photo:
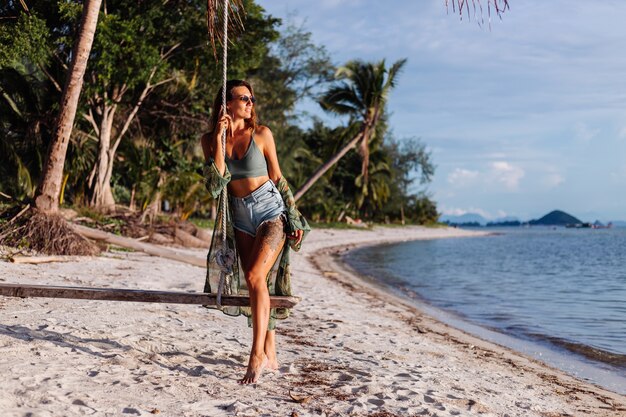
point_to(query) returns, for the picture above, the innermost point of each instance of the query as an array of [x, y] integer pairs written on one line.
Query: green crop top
[[251, 165]]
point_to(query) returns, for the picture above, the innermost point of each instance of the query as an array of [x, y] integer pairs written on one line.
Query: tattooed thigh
[[272, 233]]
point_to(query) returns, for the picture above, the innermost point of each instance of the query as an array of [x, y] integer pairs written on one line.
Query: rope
[[225, 257], [224, 81]]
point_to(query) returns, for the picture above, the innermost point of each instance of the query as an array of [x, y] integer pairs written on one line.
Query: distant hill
[[474, 219], [506, 219], [504, 223], [466, 218], [555, 218]]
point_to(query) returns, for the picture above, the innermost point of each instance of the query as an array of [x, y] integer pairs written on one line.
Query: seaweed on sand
[[24, 227]]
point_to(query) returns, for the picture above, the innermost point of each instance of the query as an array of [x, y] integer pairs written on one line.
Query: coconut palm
[[22, 125], [47, 196], [362, 95]]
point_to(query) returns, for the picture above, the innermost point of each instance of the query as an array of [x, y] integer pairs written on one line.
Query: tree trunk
[[131, 204], [369, 124], [327, 165], [47, 195], [101, 196], [154, 208]]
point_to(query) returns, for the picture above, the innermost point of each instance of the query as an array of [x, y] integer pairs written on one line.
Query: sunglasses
[[245, 99]]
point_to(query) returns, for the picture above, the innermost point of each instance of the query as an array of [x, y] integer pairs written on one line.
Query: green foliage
[[160, 157], [25, 123], [23, 39], [202, 223], [422, 210], [379, 189]]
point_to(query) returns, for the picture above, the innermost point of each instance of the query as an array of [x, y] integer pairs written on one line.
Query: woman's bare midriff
[[244, 186]]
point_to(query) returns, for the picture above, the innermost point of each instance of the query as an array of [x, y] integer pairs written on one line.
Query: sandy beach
[[348, 348]]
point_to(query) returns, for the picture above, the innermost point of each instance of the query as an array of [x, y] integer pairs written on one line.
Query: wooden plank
[[142, 296], [138, 246], [18, 259]]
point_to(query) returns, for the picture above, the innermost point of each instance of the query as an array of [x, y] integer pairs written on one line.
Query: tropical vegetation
[[134, 140]]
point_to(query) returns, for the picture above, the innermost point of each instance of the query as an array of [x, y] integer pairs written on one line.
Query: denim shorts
[[261, 205]]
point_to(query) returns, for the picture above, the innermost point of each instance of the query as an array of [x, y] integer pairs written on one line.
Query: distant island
[[554, 218]]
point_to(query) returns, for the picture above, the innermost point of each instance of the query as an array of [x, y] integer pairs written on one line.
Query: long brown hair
[[250, 123]]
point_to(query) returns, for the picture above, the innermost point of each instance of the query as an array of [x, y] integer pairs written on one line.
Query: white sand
[[348, 349]]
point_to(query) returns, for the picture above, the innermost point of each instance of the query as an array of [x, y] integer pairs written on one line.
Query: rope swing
[[225, 256]]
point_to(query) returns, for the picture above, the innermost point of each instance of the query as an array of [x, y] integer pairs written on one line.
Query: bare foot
[[255, 368], [272, 362]]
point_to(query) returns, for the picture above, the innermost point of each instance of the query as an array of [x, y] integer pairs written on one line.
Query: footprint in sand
[[345, 377], [359, 373], [404, 394]]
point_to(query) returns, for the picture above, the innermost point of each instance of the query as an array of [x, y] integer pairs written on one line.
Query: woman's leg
[[258, 255], [270, 350]]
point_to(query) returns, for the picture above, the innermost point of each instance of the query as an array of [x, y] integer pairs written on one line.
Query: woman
[[261, 215]]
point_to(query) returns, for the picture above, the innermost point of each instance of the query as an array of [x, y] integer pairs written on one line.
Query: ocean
[[553, 293]]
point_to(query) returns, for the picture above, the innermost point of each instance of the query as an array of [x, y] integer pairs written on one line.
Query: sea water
[[555, 293]]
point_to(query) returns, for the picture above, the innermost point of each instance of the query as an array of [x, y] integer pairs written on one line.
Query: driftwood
[[160, 239], [189, 240], [141, 296], [138, 246], [204, 235], [42, 259]]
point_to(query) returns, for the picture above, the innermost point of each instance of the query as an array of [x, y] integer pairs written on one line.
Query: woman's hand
[[297, 235], [223, 124]]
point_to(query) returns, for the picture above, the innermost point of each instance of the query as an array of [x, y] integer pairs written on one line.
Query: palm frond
[[392, 73], [215, 20], [342, 99], [499, 7]]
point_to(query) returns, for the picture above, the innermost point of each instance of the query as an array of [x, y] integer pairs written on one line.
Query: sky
[[520, 119]]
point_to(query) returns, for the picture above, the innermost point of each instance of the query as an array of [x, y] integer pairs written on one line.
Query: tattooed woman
[[262, 220]]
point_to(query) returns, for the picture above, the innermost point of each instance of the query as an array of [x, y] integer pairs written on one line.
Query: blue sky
[[523, 119]]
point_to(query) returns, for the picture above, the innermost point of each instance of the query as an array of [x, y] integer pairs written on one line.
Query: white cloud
[[501, 213], [462, 177], [457, 211], [505, 173], [584, 133], [619, 176], [553, 180], [477, 96], [335, 4], [622, 133]]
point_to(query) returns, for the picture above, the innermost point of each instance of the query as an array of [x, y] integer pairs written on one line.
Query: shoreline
[[572, 363], [346, 350], [454, 329]]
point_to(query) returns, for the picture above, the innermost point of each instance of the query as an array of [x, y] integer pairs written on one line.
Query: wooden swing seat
[[140, 296]]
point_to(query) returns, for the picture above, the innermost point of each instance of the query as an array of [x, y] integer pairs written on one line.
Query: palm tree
[[362, 95], [23, 129], [47, 195]]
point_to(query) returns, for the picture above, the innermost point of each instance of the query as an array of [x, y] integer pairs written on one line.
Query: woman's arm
[[296, 223], [212, 145], [297, 226], [216, 174], [268, 146]]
